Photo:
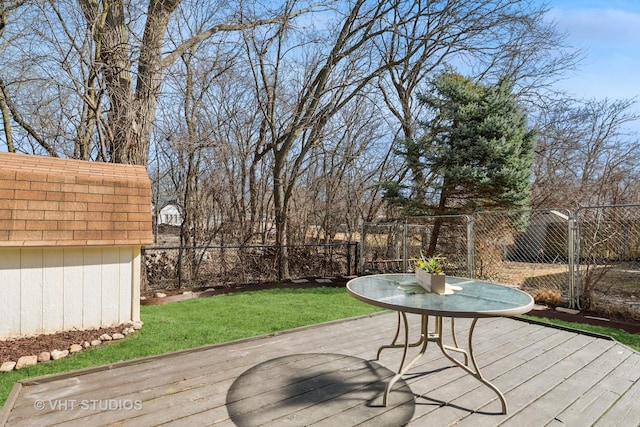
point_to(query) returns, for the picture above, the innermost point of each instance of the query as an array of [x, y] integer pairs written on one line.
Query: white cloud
[[604, 26]]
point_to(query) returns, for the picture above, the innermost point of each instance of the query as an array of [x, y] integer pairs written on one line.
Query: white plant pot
[[431, 282]]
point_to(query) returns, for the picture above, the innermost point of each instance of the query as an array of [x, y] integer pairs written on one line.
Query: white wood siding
[[10, 307], [61, 288]]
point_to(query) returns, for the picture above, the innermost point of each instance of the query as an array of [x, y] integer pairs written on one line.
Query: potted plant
[[429, 273]]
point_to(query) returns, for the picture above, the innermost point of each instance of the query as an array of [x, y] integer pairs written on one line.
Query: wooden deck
[[325, 376]]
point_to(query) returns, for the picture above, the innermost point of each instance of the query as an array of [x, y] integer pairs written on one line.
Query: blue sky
[[609, 33]]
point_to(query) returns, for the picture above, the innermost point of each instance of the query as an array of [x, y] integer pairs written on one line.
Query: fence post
[[574, 280], [356, 257], [405, 242], [180, 266], [144, 279], [360, 259], [471, 260]]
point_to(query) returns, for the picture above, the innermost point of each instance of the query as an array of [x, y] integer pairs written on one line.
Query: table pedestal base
[[437, 337]]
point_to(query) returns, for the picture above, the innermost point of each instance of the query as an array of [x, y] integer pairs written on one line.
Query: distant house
[[170, 215]]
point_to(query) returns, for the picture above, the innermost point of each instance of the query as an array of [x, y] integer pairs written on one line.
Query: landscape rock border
[[57, 353]]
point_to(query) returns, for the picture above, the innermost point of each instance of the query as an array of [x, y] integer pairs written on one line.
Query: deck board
[[326, 375]]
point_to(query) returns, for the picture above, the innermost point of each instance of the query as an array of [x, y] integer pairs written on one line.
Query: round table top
[[465, 297]]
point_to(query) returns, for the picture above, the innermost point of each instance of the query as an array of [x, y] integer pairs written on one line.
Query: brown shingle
[[47, 201]]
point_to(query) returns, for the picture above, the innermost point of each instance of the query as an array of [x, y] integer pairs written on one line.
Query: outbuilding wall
[[49, 289]]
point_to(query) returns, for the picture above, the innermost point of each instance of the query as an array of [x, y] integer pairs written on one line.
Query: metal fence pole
[[363, 248], [180, 267], [574, 280], [405, 242], [471, 260]]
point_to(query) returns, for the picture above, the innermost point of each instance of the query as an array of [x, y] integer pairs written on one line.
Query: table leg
[[425, 338], [455, 341], [437, 337], [475, 372], [394, 341]]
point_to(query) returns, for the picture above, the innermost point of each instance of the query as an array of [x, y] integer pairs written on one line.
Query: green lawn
[[197, 322], [623, 337]]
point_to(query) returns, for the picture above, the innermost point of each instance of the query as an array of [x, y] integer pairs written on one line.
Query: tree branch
[[228, 27], [23, 124]]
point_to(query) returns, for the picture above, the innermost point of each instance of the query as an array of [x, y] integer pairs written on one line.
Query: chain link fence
[[527, 249], [391, 247], [587, 259], [584, 259], [177, 267], [608, 265]]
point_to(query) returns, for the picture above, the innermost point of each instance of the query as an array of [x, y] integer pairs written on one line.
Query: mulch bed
[[12, 350]]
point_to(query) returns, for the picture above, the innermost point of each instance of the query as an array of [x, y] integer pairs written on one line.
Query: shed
[[70, 239]]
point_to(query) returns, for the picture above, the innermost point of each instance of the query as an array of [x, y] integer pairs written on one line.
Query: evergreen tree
[[476, 150]]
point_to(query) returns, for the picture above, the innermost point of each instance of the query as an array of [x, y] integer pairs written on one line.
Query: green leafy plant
[[433, 264]]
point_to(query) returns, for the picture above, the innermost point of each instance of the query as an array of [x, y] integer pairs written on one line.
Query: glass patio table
[[465, 298]]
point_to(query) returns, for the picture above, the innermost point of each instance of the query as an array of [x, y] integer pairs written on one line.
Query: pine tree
[[476, 148]]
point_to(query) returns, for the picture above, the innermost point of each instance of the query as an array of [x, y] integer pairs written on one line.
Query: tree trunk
[[114, 55], [437, 225], [130, 114], [280, 204], [6, 116], [135, 147]]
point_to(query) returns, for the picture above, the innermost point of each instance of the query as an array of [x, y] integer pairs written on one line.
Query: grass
[[196, 322], [630, 340]]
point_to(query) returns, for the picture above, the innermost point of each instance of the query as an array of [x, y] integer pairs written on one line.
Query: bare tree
[[6, 114], [338, 175], [115, 55], [133, 109], [585, 155], [218, 135], [340, 62], [52, 87], [6, 9], [407, 39]]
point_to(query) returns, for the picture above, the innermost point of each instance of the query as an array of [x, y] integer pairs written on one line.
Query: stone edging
[[55, 354]]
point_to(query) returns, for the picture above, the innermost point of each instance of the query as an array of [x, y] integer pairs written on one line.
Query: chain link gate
[[530, 249], [527, 249], [608, 265]]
